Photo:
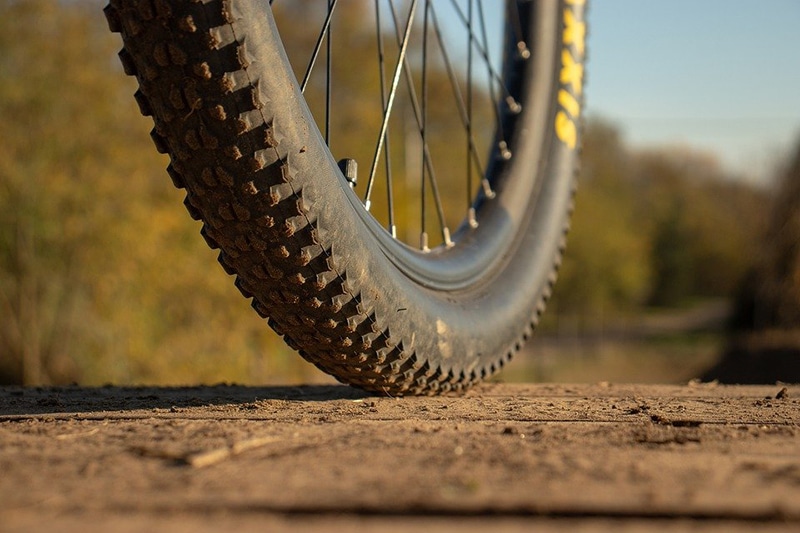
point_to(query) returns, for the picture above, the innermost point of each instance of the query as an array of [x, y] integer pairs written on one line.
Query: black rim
[[405, 76], [486, 230]]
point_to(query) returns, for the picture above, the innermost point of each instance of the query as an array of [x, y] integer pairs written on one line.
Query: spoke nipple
[[393, 231], [513, 105], [448, 242], [471, 218], [367, 205], [349, 168], [423, 242], [487, 189], [523, 52], [505, 153]]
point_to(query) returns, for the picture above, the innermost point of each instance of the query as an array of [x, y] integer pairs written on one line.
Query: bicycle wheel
[[337, 284]]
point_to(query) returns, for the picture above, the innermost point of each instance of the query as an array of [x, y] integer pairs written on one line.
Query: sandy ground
[[603, 457]]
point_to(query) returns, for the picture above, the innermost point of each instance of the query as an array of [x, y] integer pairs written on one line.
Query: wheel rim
[[451, 259]]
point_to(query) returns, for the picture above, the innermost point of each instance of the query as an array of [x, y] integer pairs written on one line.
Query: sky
[[717, 75]]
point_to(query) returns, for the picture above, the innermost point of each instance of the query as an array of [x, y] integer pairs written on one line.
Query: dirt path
[[505, 457]]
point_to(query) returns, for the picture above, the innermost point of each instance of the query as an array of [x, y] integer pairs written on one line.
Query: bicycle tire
[[350, 299]]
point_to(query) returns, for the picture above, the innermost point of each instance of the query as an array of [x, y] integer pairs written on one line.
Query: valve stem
[[349, 168]]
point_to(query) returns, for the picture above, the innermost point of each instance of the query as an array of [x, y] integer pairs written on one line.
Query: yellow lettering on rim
[[569, 103], [574, 32], [570, 76], [566, 129], [571, 72]]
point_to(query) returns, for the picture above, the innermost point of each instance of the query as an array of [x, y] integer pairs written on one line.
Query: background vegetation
[[104, 278]]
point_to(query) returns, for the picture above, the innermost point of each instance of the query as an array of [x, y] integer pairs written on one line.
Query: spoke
[[493, 74], [434, 185], [513, 17], [415, 106], [437, 198], [485, 185], [386, 151], [390, 101], [502, 144], [318, 46], [464, 109], [470, 145], [328, 63], [412, 91], [424, 105], [424, 133], [426, 156]]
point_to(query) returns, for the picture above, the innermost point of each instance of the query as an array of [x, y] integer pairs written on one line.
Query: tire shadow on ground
[[17, 400]]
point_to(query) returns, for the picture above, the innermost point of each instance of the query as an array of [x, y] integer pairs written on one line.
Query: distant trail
[[708, 316]]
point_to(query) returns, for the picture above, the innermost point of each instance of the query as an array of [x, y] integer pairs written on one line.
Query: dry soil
[[605, 457]]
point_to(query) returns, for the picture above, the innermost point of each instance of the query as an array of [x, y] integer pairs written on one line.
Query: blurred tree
[[703, 225], [661, 227], [103, 277], [764, 342], [769, 298], [605, 267], [726, 221], [671, 256], [49, 142]]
